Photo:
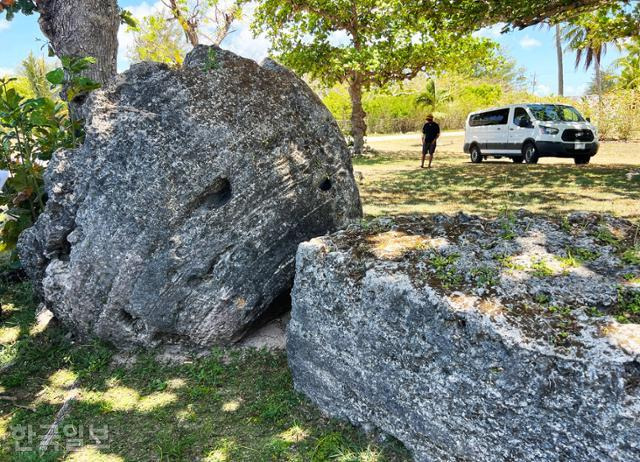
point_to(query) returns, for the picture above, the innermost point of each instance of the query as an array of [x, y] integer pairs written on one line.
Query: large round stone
[[178, 219]]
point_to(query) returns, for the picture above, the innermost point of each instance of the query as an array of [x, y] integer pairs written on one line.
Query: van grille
[[577, 135]]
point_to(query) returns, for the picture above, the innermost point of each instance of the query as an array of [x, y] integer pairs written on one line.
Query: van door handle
[[512, 129]]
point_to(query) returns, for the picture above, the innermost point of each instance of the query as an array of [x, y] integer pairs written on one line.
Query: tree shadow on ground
[[485, 188], [231, 405]]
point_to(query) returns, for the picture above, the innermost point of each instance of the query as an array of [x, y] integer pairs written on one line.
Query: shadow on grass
[[476, 188], [229, 406]]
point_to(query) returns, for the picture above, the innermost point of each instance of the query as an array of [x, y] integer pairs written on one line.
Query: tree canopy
[[363, 43], [474, 14]]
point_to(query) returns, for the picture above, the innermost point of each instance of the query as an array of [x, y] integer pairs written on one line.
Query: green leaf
[[77, 65], [126, 17], [85, 84], [56, 76]]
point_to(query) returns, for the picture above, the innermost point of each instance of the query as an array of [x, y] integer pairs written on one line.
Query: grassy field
[[240, 405], [394, 183], [230, 406]]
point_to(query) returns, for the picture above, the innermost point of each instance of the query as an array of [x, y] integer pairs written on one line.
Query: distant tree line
[[363, 44]]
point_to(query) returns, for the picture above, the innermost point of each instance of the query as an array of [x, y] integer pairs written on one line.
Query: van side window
[[476, 120], [499, 117], [520, 116]]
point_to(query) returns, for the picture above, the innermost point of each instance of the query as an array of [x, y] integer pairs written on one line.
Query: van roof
[[509, 106]]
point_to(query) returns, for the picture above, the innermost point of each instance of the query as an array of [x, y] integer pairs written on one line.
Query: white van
[[526, 132]]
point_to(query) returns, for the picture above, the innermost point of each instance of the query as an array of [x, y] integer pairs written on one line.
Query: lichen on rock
[[178, 219], [475, 339]]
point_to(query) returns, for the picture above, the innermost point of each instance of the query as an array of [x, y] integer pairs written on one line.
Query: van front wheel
[[530, 153], [476, 155]]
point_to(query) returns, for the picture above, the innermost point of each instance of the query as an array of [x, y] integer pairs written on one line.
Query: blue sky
[[532, 48]]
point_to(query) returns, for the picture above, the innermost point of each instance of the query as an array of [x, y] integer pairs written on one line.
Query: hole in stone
[[325, 185], [80, 100], [280, 307], [632, 379], [127, 317], [217, 195]]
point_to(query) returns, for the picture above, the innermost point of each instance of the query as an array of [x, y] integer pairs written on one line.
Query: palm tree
[[588, 48], [35, 71], [432, 98], [560, 57], [630, 66]]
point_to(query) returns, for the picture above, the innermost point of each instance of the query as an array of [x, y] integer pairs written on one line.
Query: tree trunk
[[596, 62], [560, 55], [81, 28], [358, 124], [189, 27]]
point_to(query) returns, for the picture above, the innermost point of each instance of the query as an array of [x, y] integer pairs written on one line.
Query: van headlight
[[549, 130]]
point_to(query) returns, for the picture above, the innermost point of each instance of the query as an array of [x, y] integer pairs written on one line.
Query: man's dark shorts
[[429, 148]]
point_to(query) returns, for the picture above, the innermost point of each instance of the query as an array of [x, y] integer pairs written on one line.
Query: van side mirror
[[589, 119], [524, 123]]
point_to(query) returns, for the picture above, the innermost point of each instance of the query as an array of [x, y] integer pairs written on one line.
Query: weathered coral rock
[[471, 339], [178, 219]]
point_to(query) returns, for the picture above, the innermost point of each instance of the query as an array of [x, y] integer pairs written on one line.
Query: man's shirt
[[431, 130]]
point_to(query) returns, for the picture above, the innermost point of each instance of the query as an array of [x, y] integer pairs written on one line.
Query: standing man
[[430, 134]]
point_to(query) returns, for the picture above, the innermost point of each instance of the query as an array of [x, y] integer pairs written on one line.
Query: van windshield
[[555, 113]]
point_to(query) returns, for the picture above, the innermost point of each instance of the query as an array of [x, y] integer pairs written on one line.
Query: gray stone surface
[[451, 335], [178, 220]]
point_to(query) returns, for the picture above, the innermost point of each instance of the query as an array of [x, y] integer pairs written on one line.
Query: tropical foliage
[[433, 98], [630, 66], [35, 70], [474, 14], [31, 130]]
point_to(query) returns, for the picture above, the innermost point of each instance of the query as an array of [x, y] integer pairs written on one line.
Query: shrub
[[393, 113], [31, 130], [616, 117]]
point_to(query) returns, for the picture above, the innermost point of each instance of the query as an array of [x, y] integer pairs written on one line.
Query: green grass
[[541, 269], [394, 183], [445, 270], [232, 405], [241, 406]]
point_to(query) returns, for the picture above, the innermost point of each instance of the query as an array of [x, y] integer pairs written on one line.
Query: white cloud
[[4, 25], [580, 90], [530, 42], [341, 38], [542, 90], [6, 72], [242, 42]]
